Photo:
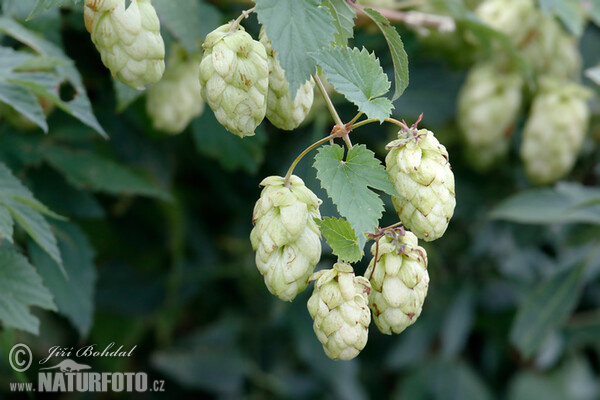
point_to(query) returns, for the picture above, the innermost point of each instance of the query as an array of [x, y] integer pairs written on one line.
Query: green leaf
[[568, 11], [546, 307], [341, 238], [399, 57], [189, 21], [74, 296], [92, 172], [347, 184], [6, 224], [20, 288], [215, 142], [27, 212], [296, 28], [80, 106], [43, 5], [357, 75], [594, 74], [566, 203], [343, 19], [125, 95], [18, 97]]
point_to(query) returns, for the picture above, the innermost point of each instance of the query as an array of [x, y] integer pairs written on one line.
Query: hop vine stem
[[239, 19]]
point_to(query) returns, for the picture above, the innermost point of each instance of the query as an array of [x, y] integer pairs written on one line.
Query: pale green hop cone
[[234, 75], [488, 105], [518, 19], [128, 40], [399, 281], [281, 110], [174, 101], [285, 236], [340, 310], [555, 131], [418, 166]]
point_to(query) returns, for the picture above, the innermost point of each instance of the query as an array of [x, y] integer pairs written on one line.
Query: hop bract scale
[[418, 166], [128, 39], [340, 310], [282, 111], [234, 75], [399, 281], [285, 236]]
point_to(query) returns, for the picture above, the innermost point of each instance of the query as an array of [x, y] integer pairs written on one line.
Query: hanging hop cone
[[517, 19], [128, 39], [488, 105], [555, 131], [339, 308], [551, 50], [174, 101], [282, 111], [285, 236], [399, 281], [418, 166], [234, 75]]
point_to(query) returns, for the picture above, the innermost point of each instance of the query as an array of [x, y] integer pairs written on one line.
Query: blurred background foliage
[[156, 238]]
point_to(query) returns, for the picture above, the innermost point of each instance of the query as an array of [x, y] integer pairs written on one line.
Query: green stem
[[305, 152], [239, 19], [371, 120], [330, 105]]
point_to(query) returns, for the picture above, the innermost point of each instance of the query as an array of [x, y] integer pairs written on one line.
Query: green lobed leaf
[[593, 74], [343, 19], [296, 28], [6, 224], [546, 307], [565, 203], [399, 57], [80, 106], [89, 171], [74, 296], [212, 140], [569, 12], [27, 212], [357, 75], [341, 238], [189, 21], [20, 288], [43, 5], [347, 183]]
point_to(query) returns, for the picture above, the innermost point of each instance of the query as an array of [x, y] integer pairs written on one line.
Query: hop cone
[[554, 133], [418, 166], [515, 18], [285, 236], [339, 308], [234, 75], [281, 110], [128, 40], [488, 105], [399, 281], [174, 101], [377, 3]]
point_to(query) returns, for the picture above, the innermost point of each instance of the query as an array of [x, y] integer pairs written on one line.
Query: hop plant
[[285, 236], [174, 101], [128, 40], [555, 131], [488, 105], [339, 308], [399, 281], [282, 111], [234, 75], [419, 168]]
